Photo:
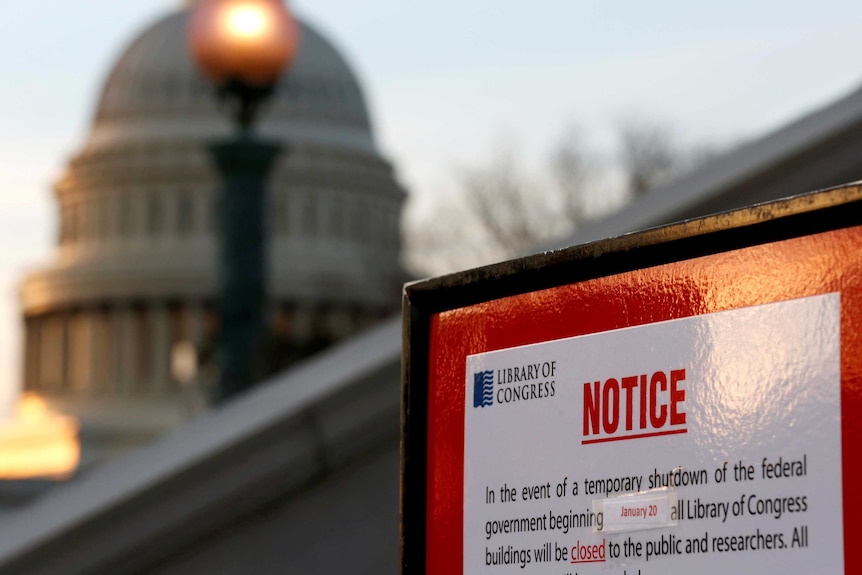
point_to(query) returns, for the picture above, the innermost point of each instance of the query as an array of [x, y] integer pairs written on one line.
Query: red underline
[[590, 561], [639, 436]]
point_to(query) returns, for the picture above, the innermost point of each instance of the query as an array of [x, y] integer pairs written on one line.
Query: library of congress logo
[[483, 388]]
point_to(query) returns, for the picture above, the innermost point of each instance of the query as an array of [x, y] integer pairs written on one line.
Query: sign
[[676, 401], [715, 435]]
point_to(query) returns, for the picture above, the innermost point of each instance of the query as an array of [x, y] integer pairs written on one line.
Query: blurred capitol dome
[[134, 272]]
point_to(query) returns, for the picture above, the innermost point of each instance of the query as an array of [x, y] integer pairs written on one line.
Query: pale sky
[[443, 79]]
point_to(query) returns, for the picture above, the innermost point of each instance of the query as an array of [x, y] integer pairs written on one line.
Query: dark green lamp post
[[242, 46]]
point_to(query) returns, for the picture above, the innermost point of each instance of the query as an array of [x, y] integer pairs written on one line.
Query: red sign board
[[655, 403]]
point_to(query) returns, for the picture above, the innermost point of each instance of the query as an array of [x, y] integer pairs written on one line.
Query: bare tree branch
[[498, 212], [648, 155], [502, 202], [574, 173]]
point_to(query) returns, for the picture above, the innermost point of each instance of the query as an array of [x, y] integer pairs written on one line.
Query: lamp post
[[242, 46]]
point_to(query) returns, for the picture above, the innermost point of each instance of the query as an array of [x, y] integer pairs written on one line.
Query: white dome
[[137, 202], [135, 266], [155, 91]]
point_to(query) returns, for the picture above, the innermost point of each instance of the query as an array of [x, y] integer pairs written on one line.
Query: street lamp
[[242, 46]]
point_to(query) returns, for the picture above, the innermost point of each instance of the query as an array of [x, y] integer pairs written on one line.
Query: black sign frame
[[797, 216]]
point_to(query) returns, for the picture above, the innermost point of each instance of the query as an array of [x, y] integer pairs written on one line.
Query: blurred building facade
[[134, 271]]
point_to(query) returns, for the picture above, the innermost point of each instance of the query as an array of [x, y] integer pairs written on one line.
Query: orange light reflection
[[38, 443]]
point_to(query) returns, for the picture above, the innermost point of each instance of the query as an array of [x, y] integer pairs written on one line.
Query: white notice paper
[[705, 445]]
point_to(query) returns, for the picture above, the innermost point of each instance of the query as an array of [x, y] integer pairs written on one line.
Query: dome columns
[[119, 349], [125, 348]]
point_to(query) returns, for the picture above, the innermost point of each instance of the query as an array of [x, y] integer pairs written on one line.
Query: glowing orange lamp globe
[[247, 41]]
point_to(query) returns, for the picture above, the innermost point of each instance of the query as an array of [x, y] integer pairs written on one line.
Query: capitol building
[[134, 272]]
